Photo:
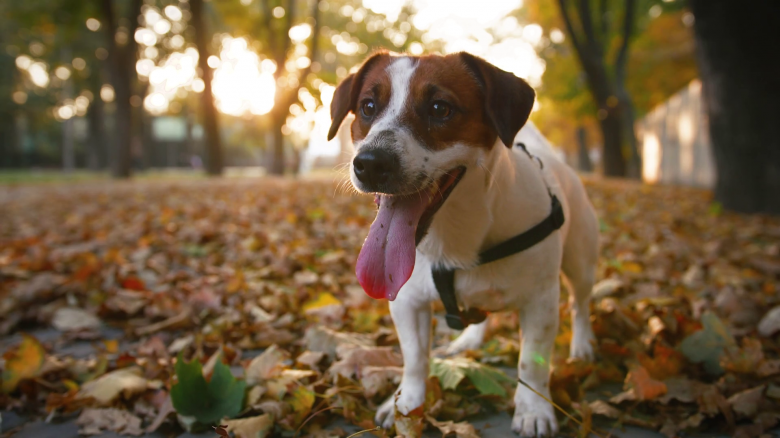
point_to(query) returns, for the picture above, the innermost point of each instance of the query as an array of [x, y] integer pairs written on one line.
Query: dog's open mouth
[[386, 260]]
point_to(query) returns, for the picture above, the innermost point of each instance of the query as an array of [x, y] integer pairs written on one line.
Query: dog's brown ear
[[508, 99], [346, 94]]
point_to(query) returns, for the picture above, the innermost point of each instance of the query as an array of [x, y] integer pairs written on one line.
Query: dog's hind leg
[[412, 318], [579, 265], [470, 339]]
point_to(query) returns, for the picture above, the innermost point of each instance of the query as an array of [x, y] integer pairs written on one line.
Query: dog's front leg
[[412, 318], [534, 416]]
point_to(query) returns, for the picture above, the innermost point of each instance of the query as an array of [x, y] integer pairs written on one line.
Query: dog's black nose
[[375, 167]]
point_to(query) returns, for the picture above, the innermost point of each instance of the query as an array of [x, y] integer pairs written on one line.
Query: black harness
[[444, 279]]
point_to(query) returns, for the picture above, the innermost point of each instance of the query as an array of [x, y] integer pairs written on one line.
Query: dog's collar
[[444, 278]]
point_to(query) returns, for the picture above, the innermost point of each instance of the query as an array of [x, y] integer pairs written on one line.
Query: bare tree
[[591, 39]]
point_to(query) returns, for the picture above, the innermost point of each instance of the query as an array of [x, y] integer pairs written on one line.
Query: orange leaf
[[133, 283], [644, 386], [22, 362], [665, 363]]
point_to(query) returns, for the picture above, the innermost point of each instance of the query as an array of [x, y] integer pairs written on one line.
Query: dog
[[434, 142]]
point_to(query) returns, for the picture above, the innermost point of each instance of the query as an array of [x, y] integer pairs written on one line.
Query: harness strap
[[444, 278]]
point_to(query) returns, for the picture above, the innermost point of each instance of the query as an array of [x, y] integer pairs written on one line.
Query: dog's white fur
[[503, 193]]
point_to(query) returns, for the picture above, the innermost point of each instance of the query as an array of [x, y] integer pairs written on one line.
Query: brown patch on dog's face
[[375, 89], [446, 105]]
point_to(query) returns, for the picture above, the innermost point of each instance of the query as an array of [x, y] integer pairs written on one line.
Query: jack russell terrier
[[467, 216]]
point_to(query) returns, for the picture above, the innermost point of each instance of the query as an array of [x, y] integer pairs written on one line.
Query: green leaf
[[707, 345], [487, 380], [449, 374], [208, 402]]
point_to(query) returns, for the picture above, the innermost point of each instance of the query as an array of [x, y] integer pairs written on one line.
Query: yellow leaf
[[323, 299], [112, 345], [22, 362], [302, 399], [70, 384], [632, 267]]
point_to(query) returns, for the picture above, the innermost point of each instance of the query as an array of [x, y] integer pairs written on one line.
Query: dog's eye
[[368, 108], [440, 110]]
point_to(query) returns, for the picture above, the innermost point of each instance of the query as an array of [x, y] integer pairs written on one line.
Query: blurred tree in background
[[740, 87], [120, 20], [86, 84], [214, 161], [608, 63]]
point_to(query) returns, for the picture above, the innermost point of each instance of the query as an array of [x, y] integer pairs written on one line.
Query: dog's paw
[[385, 415], [470, 339], [582, 346], [463, 343], [536, 423], [410, 398]]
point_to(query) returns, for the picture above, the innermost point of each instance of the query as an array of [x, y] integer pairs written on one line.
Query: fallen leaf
[[266, 366], [98, 421], [323, 299], [301, 400], [354, 357], [325, 340], [173, 321], [165, 410], [410, 425], [377, 380], [72, 319], [253, 427], [310, 358], [745, 403], [707, 345], [744, 360], [22, 362], [208, 402], [107, 388], [770, 323], [600, 407], [461, 430], [644, 386], [487, 380]]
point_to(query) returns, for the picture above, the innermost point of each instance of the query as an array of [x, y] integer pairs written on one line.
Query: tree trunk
[[583, 155], [276, 164], [739, 80], [286, 97], [68, 146], [612, 133], [96, 143], [630, 144], [214, 160], [121, 65]]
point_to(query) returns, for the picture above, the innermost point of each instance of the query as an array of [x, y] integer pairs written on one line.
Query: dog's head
[[420, 123]]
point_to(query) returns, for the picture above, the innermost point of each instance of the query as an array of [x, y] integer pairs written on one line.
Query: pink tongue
[[387, 259]]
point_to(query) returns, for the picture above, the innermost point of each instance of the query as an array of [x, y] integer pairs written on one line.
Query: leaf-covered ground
[[153, 307]]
